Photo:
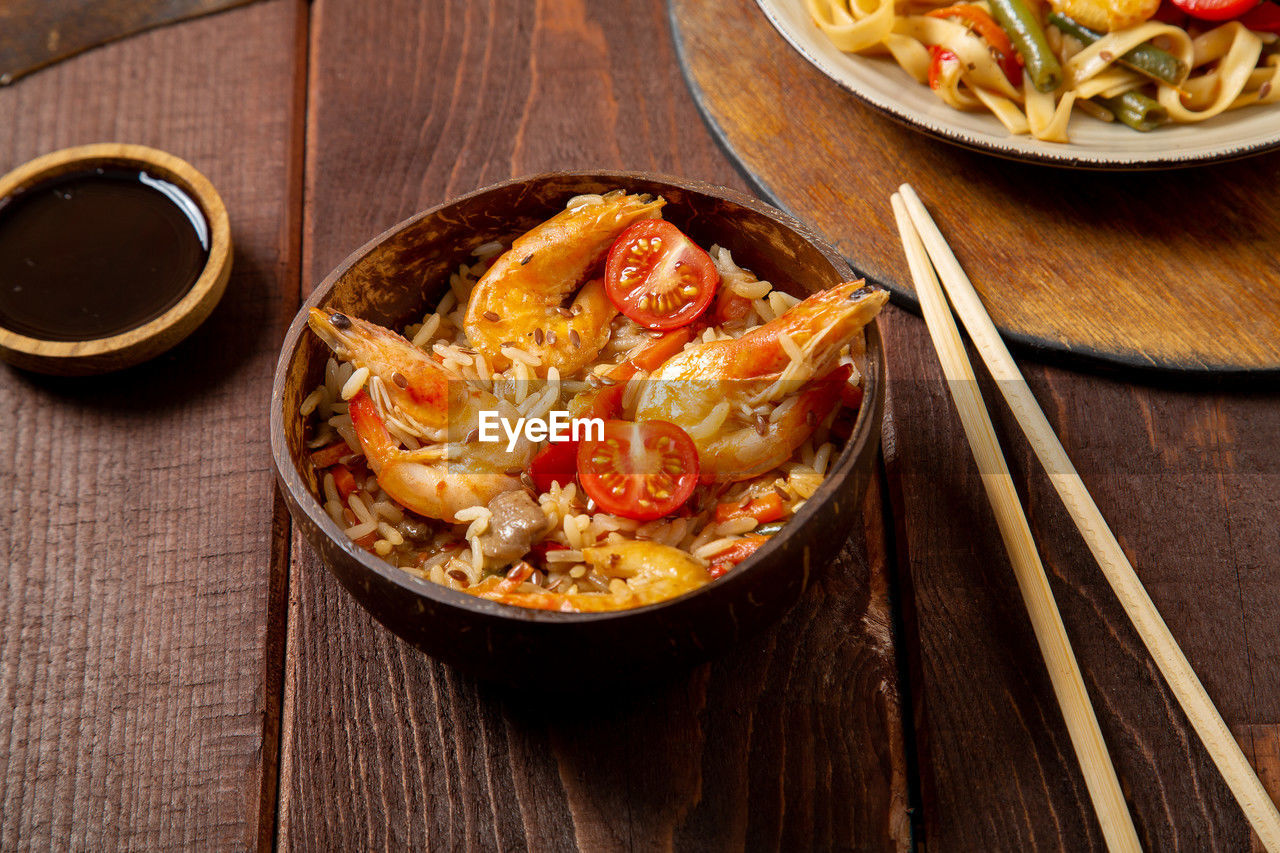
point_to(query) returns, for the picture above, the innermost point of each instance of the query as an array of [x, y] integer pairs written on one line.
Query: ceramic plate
[[1094, 144]]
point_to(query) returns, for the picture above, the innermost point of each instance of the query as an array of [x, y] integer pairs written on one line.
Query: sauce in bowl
[[95, 253]]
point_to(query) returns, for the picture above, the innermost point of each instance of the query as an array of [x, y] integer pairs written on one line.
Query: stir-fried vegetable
[[1136, 110], [769, 507], [1145, 58], [1028, 37], [735, 554], [330, 454], [984, 25]]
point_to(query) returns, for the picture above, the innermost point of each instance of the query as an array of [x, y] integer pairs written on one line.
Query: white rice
[[330, 489], [522, 356], [388, 510], [522, 377], [362, 512], [574, 525], [806, 453], [479, 517], [390, 534], [822, 457], [449, 352], [736, 526], [763, 310], [324, 436], [427, 330], [706, 535], [735, 278], [447, 303], [352, 386], [312, 400], [781, 302], [333, 376], [359, 531], [715, 547], [567, 556]]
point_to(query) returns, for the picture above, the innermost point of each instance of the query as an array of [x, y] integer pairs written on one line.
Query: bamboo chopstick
[[1181, 678], [1064, 672]]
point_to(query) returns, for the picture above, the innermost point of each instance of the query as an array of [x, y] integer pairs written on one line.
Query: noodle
[[1222, 65]]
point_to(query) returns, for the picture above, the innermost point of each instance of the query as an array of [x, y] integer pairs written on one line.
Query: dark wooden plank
[[138, 513], [794, 741], [1188, 483], [37, 33], [1108, 266]]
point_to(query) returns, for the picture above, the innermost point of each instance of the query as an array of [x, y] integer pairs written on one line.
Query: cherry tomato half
[[1215, 10], [640, 470], [659, 277]]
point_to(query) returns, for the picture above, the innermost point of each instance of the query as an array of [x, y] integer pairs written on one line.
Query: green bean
[[1145, 58], [1136, 110], [1028, 38]]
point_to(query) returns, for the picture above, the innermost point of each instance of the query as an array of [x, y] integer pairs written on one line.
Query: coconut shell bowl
[[402, 273]]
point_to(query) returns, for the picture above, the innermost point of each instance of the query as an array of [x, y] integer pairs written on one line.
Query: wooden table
[[180, 671]]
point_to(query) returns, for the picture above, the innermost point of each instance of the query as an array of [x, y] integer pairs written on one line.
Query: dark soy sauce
[[96, 253]]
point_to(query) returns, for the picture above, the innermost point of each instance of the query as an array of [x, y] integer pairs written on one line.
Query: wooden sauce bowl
[[99, 355], [395, 278]]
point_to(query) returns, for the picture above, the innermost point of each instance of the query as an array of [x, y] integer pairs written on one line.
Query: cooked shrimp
[[440, 479], [696, 387], [432, 481], [1107, 15], [520, 300], [444, 403], [650, 573]]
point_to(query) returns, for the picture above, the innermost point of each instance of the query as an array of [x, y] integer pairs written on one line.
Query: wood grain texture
[[1189, 487], [36, 33], [792, 742], [1174, 270], [138, 513]]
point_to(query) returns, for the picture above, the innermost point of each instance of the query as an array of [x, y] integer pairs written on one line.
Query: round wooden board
[[1168, 271]]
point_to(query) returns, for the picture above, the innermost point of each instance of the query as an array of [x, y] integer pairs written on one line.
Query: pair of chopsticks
[[928, 257]]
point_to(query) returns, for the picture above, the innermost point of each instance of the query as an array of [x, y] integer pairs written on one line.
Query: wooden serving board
[[1169, 270]]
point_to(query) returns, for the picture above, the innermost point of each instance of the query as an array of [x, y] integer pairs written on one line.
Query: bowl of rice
[[440, 580]]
